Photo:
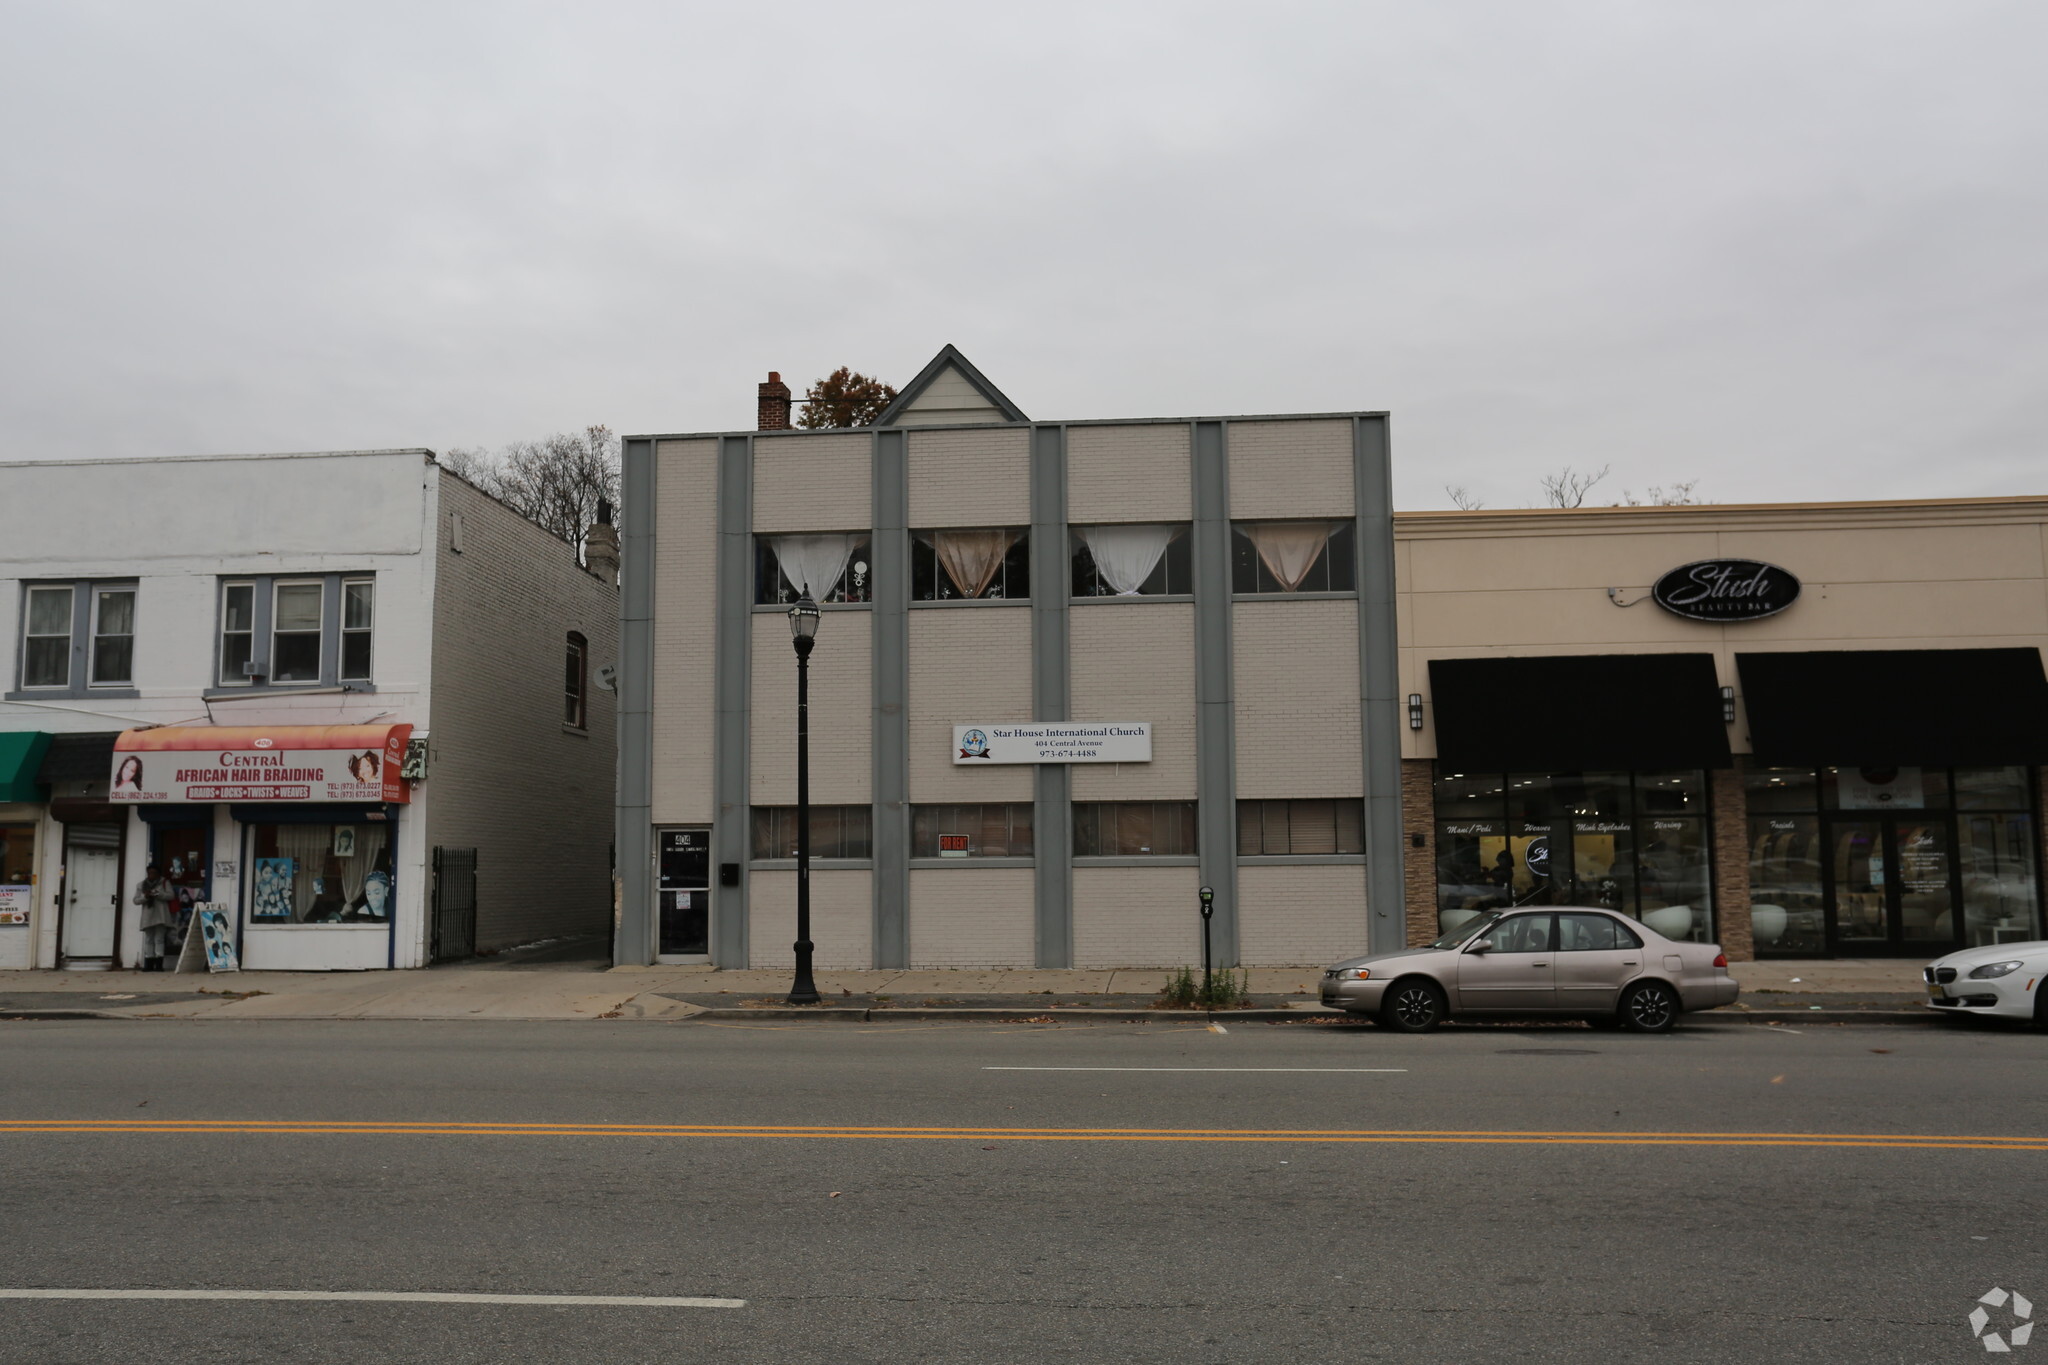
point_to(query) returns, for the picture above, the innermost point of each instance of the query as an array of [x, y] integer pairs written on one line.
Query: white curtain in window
[[1289, 549], [308, 846], [972, 558], [1125, 556], [814, 563], [370, 841]]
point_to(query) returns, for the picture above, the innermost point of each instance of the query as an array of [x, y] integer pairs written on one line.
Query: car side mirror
[[1480, 945]]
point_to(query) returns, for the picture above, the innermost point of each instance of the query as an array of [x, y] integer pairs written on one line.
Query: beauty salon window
[[971, 565], [1277, 828], [1293, 556], [836, 832], [320, 874], [77, 638], [1134, 829], [832, 566], [985, 831], [1149, 560], [1632, 842]]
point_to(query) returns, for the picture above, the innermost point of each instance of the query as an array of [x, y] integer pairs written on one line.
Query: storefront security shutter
[[1930, 708], [1578, 713]]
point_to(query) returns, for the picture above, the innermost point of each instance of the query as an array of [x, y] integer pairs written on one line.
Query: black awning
[[78, 758], [1930, 708], [1579, 713]]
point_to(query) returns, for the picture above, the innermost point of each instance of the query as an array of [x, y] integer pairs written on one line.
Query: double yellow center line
[[393, 1128]]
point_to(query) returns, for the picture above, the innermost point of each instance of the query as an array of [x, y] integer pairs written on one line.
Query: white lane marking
[[372, 1296], [1319, 1070]]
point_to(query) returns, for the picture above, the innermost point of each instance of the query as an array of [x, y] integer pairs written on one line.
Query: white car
[[2005, 980]]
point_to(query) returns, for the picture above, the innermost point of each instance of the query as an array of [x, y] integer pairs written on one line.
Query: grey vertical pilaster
[[633, 932], [890, 609], [732, 664], [1215, 718], [1051, 695], [1379, 680]]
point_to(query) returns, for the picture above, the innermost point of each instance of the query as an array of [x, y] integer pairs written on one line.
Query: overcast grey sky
[[1792, 250]]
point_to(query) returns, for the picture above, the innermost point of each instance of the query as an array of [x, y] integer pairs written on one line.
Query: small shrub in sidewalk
[[1227, 990]]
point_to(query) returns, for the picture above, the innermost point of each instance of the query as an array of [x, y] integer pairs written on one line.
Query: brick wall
[[967, 665], [685, 629], [1136, 661], [505, 776], [1291, 469], [1296, 681], [970, 478], [813, 483], [1418, 875], [971, 916], [1300, 916], [842, 711], [1730, 837], [1134, 473], [842, 919], [1137, 917]]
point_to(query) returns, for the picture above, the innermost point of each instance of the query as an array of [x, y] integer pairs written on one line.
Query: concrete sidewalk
[[546, 986]]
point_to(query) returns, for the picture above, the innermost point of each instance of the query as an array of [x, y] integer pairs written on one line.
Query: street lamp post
[[803, 631]]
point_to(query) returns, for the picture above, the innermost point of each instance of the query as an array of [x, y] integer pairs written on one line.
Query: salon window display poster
[[220, 943], [273, 895]]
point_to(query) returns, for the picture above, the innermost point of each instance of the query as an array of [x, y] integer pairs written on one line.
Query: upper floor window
[[1294, 556], [951, 566], [1132, 561], [296, 631], [77, 636], [831, 567], [574, 686]]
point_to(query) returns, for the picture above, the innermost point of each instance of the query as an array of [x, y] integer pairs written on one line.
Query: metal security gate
[[454, 904]]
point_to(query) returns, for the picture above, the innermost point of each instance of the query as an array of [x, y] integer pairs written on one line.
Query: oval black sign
[[1726, 590]]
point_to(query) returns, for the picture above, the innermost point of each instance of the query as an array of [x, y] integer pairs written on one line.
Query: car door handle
[[1539, 964]]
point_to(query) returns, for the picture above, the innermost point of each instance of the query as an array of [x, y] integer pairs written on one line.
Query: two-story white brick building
[[1222, 586], [345, 695]]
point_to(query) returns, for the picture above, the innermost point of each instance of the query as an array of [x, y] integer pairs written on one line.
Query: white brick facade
[[842, 919], [1296, 672], [1137, 916], [970, 478], [1299, 916], [842, 711], [1136, 661], [971, 916], [967, 664], [1291, 469], [812, 483], [685, 622], [1134, 473]]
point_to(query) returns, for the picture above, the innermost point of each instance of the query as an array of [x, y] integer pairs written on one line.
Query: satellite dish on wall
[[608, 677]]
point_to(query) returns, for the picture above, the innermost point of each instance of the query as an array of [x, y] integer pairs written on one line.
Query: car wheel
[[1651, 1007], [1415, 1006], [2041, 1006]]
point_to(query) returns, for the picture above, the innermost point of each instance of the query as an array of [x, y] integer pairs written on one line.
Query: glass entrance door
[[1894, 885], [684, 889]]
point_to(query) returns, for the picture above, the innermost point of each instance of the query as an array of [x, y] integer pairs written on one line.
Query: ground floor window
[[1270, 828], [320, 874], [983, 831], [1632, 842], [836, 832], [1891, 860], [17, 873], [1134, 829]]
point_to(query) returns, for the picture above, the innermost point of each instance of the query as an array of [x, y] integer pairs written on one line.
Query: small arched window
[[576, 686]]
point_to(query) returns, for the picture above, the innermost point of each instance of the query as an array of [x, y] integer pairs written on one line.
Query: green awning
[[21, 753]]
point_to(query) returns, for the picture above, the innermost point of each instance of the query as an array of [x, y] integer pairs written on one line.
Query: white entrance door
[[92, 894]]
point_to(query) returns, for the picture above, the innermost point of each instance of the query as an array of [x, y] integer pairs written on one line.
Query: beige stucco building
[[1843, 762]]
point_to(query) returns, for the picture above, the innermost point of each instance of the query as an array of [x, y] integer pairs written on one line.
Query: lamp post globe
[[803, 633]]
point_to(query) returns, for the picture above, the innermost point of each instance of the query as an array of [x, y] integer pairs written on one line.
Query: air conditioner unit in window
[[252, 669]]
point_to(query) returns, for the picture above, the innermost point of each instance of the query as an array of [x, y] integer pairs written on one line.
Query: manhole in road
[[1549, 1052]]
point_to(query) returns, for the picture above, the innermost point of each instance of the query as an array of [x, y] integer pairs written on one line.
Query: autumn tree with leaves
[[845, 398]]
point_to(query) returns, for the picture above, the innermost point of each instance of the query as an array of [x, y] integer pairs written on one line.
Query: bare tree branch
[[1462, 497], [555, 482], [1568, 487]]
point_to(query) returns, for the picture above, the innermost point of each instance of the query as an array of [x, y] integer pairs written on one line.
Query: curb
[[1013, 1015]]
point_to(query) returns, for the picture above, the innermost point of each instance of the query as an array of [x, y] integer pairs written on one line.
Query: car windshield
[[1467, 931]]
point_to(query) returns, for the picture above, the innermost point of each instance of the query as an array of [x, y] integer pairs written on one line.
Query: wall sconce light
[[1415, 710], [1728, 705]]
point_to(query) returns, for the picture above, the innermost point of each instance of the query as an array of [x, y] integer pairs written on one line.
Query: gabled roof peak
[[949, 390]]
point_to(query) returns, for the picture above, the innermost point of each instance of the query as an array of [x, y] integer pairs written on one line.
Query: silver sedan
[[1557, 960]]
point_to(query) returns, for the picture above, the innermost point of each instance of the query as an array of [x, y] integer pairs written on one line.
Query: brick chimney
[[601, 545], [774, 404]]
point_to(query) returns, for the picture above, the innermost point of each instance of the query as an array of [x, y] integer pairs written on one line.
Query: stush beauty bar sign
[[1725, 590]]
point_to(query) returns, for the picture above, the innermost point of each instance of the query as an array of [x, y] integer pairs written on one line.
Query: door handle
[[1539, 964]]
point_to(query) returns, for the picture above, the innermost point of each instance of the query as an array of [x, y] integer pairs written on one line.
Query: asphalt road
[[1235, 1243]]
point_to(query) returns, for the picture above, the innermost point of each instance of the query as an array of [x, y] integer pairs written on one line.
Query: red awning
[[342, 763]]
